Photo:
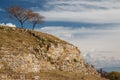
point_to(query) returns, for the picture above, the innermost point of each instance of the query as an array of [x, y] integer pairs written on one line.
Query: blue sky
[[92, 25]]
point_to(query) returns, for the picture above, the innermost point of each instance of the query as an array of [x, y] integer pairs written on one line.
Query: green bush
[[113, 75], [75, 60]]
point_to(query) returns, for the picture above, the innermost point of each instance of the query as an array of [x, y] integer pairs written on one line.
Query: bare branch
[[17, 13], [21, 15], [36, 19]]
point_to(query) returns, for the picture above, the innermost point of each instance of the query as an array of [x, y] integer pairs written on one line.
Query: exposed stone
[[32, 52]]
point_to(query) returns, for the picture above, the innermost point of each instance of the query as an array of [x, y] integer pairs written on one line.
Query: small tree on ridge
[[19, 14], [36, 19]]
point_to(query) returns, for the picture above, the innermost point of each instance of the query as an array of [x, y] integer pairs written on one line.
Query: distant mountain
[[110, 69]]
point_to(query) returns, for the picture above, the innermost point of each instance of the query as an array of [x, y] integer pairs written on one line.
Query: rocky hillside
[[31, 55]]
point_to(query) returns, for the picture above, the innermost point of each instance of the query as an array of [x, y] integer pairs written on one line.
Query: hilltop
[[32, 55]]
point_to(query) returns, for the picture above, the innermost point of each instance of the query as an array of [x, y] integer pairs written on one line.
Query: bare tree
[[19, 14], [36, 19]]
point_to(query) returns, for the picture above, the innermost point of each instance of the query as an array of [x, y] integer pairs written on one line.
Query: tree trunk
[[21, 23], [33, 26]]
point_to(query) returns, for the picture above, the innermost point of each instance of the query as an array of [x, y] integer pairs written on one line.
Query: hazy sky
[[92, 25]]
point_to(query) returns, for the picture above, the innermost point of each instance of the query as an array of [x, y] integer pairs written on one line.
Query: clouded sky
[[92, 25]]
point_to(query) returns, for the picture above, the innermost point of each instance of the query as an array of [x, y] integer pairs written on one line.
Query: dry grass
[[15, 36], [17, 41], [54, 75]]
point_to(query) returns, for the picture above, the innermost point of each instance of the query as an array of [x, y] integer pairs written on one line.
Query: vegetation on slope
[[26, 54], [110, 75]]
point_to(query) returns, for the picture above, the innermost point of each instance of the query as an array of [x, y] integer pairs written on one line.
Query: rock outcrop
[[24, 54]]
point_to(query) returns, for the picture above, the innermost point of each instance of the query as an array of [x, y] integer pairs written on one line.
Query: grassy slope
[[21, 39]]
